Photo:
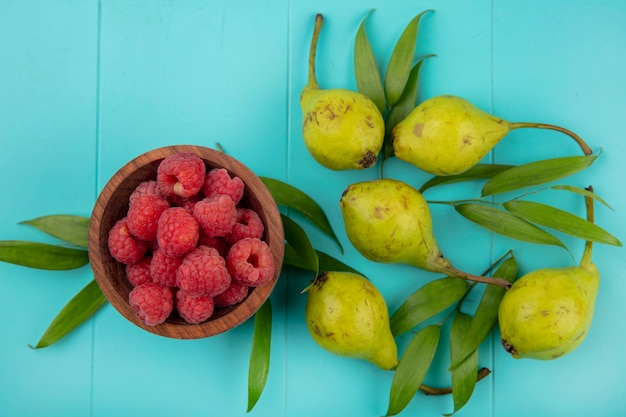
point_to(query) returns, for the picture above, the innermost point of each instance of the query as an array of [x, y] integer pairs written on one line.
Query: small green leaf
[[260, 353], [42, 255], [328, 263], [581, 191], [464, 375], [478, 172], [71, 229], [403, 107], [401, 61], [290, 196], [536, 173], [486, 314], [412, 368], [560, 220], [426, 302], [82, 306], [301, 245], [506, 224], [368, 80]]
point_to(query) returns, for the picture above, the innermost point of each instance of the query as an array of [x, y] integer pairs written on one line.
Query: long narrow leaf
[[260, 353], [464, 375], [401, 61], [412, 368], [300, 243], [426, 302], [506, 224], [42, 255], [486, 315], [478, 172], [583, 192], [536, 173], [71, 229], [403, 107], [368, 80], [82, 306], [287, 195], [329, 263], [560, 220]]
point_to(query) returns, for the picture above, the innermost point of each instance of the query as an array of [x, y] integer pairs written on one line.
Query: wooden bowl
[[112, 205]]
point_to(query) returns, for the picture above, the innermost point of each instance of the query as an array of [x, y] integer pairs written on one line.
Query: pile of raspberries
[[187, 244]]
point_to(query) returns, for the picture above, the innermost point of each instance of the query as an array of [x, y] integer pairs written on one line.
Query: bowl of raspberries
[[186, 242]]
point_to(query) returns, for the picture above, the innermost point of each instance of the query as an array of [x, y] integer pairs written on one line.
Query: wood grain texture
[[112, 205]]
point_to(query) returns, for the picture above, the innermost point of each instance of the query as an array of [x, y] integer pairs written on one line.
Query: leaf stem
[[428, 390], [586, 258], [583, 145]]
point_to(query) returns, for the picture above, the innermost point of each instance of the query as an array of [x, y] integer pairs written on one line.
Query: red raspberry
[[218, 181], [145, 188], [218, 243], [194, 309], [123, 246], [163, 268], [139, 272], [250, 262], [186, 202], [152, 302], [248, 224], [216, 215], [143, 216], [181, 174], [177, 232], [234, 294], [203, 272]]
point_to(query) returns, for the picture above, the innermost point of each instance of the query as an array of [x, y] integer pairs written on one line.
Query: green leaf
[[560, 220], [301, 245], [412, 368], [478, 172], [328, 263], [583, 192], [404, 106], [464, 375], [486, 315], [260, 353], [426, 302], [506, 224], [290, 196], [368, 80], [401, 61], [536, 173], [82, 306], [71, 229], [42, 255]]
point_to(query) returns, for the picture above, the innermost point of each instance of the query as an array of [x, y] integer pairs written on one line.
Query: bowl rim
[[229, 317]]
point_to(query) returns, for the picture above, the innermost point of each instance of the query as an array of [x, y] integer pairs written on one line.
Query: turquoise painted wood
[[87, 85]]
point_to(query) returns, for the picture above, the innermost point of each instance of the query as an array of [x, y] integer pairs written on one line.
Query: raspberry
[[194, 309], [163, 268], [177, 232], [152, 302], [145, 188], [216, 215], [143, 216], [203, 272], [248, 224], [181, 174], [234, 294], [218, 243], [139, 272], [185, 202], [250, 262], [218, 181], [123, 246]]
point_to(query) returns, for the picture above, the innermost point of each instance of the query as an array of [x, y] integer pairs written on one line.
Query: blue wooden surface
[[87, 85]]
